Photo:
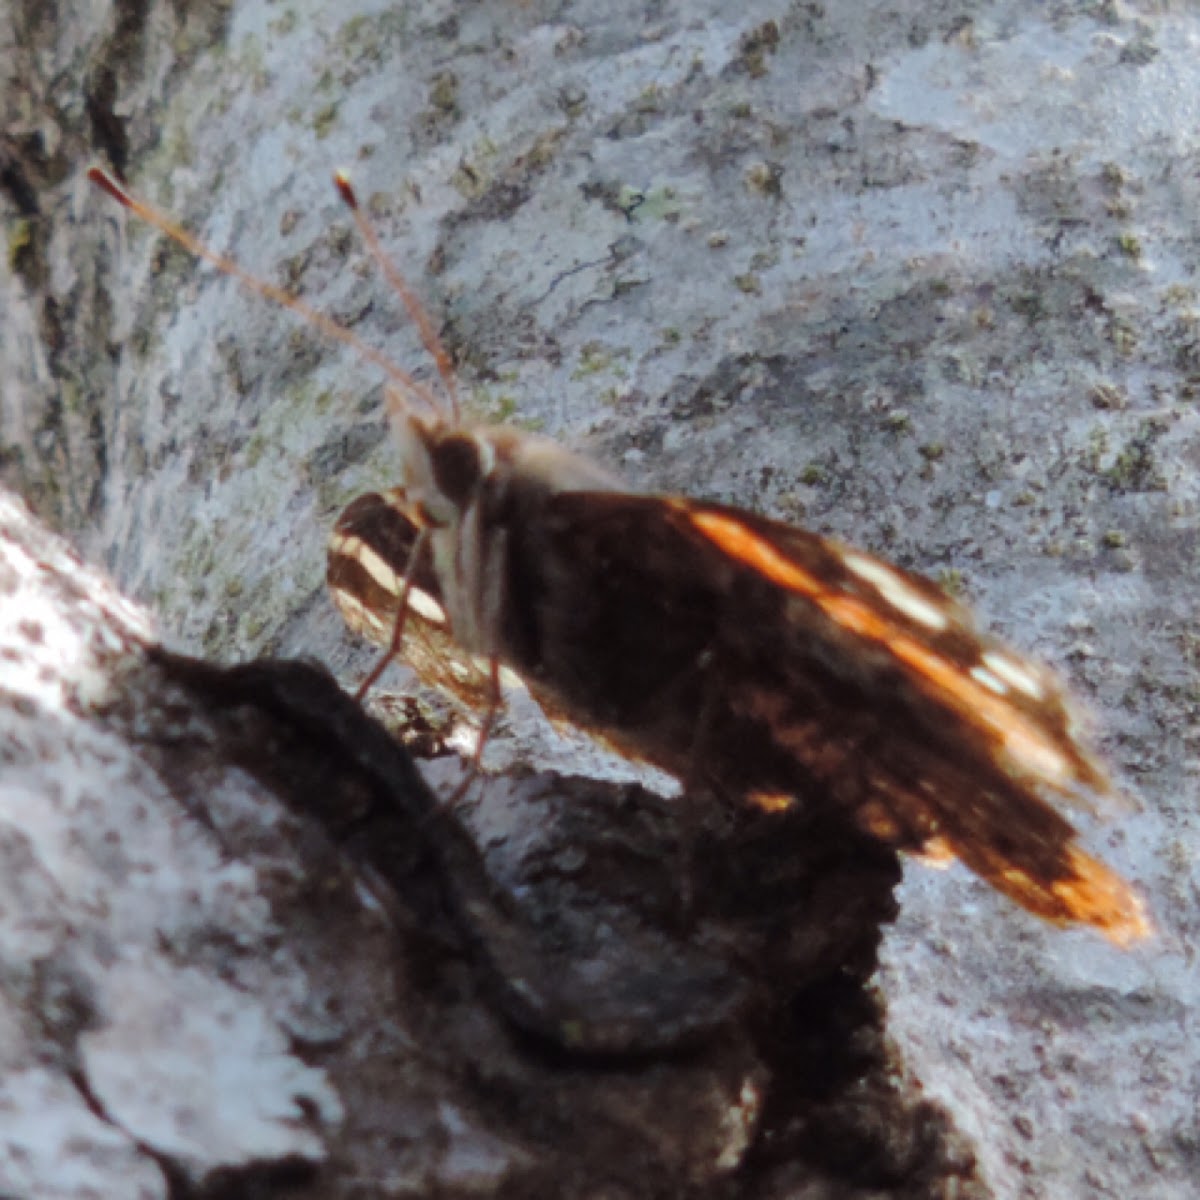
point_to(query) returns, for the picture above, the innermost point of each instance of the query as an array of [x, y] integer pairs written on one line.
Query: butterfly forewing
[[759, 660], [888, 624]]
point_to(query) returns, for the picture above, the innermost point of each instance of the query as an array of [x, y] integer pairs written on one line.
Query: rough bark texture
[[920, 275], [247, 952]]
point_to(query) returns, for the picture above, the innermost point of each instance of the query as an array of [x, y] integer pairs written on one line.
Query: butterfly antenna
[[416, 311], [328, 326]]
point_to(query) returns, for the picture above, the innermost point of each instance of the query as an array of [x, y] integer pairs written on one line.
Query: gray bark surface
[[921, 276]]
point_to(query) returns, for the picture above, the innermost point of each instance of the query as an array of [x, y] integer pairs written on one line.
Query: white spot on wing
[[992, 682], [480, 666], [509, 678], [379, 569], [899, 594], [392, 582], [1040, 759], [359, 617], [1014, 673], [424, 605]]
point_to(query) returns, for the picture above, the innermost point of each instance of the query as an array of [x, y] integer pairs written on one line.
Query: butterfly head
[[446, 466], [442, 466]]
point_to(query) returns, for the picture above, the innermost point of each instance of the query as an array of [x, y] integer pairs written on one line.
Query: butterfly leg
[[688, 814], [495, 699], [393, 647]]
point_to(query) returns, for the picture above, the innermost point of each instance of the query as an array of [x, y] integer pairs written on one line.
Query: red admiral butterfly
[[740, 654]]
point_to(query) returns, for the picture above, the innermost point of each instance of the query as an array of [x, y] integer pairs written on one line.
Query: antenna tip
[[103, 180], [341, 180]]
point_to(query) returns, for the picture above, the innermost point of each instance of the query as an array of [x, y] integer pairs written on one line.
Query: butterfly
[[745, 656]]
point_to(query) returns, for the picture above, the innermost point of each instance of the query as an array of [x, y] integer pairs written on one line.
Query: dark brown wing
[[770, 662]]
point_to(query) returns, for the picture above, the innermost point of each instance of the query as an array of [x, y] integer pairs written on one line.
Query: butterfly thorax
[[468, 487]]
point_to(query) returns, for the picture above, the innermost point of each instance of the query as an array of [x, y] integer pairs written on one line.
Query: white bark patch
[[199, 1070]]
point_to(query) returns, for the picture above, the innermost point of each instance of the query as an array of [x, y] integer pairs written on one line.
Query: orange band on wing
[[1020, 737], [738, 542]]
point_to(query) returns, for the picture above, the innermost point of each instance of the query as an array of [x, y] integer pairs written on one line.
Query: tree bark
[[921, 277]]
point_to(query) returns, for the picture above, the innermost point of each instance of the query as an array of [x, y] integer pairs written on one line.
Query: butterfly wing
[[369, 551], [769, 662], [774, 666]]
